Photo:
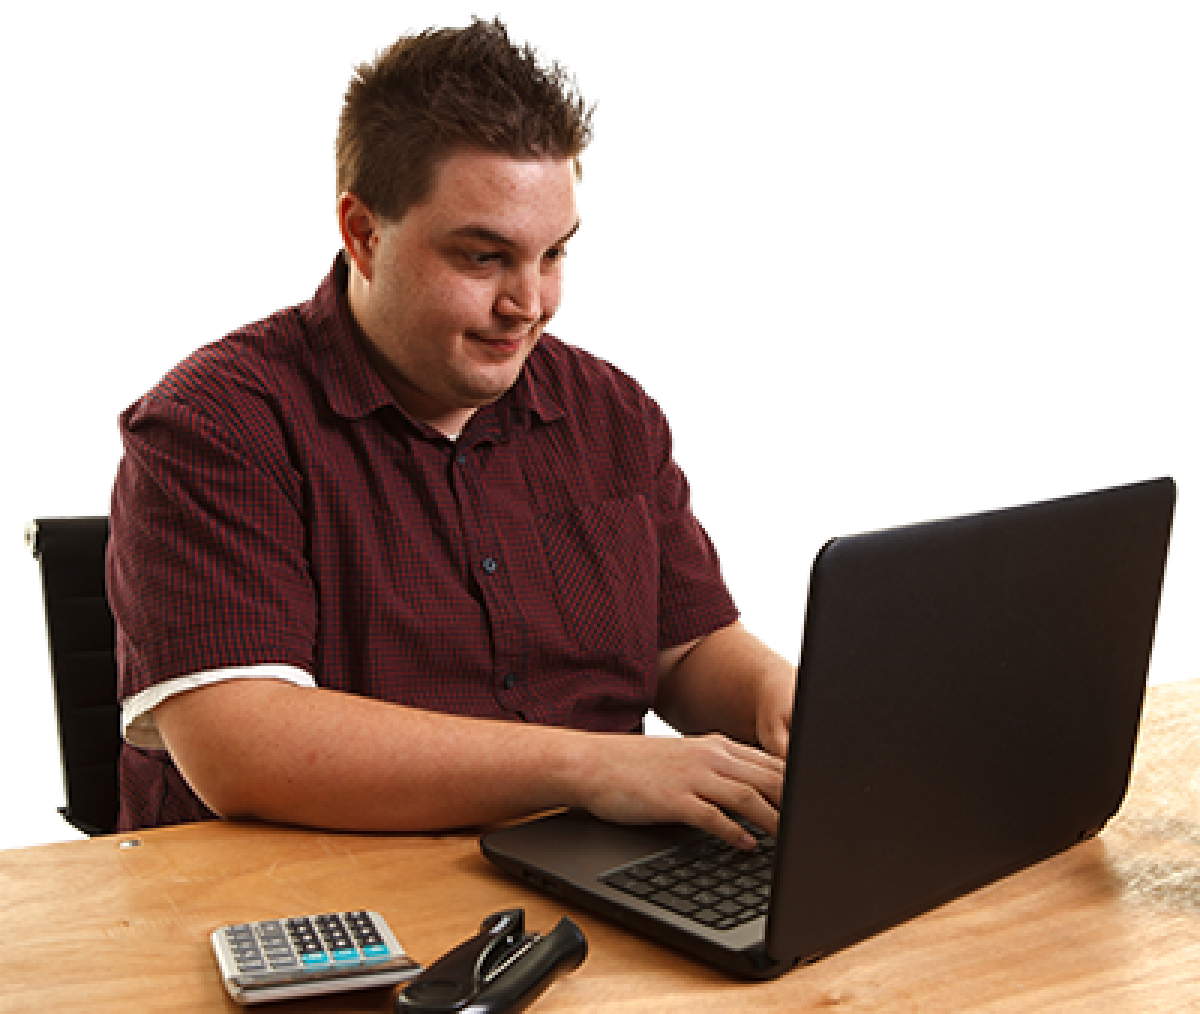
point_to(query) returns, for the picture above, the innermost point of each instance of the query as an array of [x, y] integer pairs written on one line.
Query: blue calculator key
[[343, 954], [315, 958], [375, 951]]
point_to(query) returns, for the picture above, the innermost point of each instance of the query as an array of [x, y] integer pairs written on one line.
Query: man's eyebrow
[[494, 238]]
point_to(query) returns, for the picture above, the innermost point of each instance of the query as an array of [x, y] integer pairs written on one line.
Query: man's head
[[446, 90], [457, 163]]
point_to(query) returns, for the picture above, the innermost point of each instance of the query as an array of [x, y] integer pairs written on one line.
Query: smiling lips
[[504, 344]]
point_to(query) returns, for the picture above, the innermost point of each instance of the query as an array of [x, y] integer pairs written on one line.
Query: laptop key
[[625, 882], [674, 903]]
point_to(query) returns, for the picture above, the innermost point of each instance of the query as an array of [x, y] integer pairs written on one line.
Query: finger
[[774, 738], [750, 791], [766, 759], [712, 820], [752, 767], [752, 805]]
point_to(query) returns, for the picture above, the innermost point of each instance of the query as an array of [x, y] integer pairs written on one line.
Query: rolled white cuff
[[137, 712]]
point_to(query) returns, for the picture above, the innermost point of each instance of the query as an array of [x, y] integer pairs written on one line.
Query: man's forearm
[[727, 683], [276, 751], [325, 759]]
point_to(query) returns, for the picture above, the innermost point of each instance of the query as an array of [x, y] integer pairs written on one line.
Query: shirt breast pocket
[[603, 557]]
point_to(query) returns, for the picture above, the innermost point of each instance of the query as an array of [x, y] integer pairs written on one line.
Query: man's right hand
[[692, 780]]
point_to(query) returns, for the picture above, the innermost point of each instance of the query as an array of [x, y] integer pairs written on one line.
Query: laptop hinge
[[763, 963]]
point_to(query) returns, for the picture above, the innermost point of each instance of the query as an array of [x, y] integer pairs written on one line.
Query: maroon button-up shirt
[[275, 505]]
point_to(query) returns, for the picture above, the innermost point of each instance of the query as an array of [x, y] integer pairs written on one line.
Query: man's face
[[454, 295]]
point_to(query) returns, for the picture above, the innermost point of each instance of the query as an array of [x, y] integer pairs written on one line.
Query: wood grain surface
[[121, 923]]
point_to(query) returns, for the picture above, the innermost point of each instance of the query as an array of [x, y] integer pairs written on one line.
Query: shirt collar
[[354, 389]]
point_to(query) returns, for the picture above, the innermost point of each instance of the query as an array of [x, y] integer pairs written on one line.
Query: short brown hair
[[443, 90]]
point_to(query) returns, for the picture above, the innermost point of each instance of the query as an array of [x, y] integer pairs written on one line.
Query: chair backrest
[[79, 627]]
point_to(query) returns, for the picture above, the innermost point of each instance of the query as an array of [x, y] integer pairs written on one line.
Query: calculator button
[[374, 952], [314, 960], [251, 967]]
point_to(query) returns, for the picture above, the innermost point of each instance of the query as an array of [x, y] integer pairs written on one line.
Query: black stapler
[[502, 968]]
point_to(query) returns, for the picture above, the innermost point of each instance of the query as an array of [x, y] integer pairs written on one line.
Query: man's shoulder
[[253, 356]]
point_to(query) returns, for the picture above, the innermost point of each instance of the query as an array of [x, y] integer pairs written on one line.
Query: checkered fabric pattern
[[275, 505]]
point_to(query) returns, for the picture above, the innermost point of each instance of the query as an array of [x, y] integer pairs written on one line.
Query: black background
[[863, 295]]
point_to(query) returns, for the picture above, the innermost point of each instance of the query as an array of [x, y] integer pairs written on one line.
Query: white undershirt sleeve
[[137, 712]]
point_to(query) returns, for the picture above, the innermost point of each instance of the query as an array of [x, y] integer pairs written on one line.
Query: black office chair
[[79, 628]]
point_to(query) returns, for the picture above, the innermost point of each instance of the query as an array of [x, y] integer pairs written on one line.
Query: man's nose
[[521, 296]]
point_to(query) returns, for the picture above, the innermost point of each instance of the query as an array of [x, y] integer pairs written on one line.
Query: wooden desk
[[1112, 925]]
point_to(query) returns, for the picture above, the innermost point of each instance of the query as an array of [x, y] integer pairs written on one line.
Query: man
[[395, 559]]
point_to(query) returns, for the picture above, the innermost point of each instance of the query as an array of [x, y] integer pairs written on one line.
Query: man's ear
[[357, 224]]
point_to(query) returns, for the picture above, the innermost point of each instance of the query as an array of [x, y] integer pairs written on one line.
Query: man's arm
[[729, 682], [325, 759]]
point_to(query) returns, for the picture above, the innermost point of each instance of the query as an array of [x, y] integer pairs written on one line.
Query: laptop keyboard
[[716, 884]]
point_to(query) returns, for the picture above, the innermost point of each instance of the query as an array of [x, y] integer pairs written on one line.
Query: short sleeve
[[206, 562], [693, 598]]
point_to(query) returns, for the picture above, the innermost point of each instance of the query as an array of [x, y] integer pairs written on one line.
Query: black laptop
[[967, 704]]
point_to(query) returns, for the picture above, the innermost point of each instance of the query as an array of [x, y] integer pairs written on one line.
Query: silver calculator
[[309, 955]]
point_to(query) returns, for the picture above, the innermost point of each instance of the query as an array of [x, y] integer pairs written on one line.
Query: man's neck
[[450, 423]]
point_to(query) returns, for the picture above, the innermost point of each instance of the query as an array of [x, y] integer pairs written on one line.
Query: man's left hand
[[773, 721]]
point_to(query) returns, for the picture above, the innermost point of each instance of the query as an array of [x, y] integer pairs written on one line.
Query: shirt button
[[489, 565], [509, 681], [461, 459]]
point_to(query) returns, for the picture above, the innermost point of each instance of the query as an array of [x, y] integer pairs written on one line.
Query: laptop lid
[[967, 704]]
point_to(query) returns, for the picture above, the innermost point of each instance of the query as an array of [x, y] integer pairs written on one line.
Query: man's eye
[[491, 257]]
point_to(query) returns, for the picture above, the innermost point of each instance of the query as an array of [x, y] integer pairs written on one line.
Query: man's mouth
[[503, 344]]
